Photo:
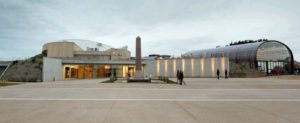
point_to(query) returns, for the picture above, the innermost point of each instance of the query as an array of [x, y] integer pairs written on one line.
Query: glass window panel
[[273, 51]]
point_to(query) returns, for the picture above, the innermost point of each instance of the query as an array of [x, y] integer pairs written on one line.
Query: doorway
[[131, 71]]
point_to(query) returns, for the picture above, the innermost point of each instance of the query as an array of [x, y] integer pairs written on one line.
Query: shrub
[[15, 62]]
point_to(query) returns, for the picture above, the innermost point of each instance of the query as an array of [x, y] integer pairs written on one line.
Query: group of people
[[218, 74], [180, 77]]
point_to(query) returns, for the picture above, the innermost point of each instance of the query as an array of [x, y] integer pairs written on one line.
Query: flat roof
[[131, 62]]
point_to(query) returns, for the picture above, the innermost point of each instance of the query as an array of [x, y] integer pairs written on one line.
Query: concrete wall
[[52, 69], [60, 49], [192, 67], [150, 68], [72, 50], [195, 67], [119, 54]]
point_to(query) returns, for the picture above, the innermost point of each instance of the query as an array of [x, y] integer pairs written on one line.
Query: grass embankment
[[108, 81], [2, 84], [170, 82], [166, 80], [29, 70]]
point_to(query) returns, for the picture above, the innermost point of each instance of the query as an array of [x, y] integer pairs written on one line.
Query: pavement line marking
[[156, 89], [208, 83], [191, 100]]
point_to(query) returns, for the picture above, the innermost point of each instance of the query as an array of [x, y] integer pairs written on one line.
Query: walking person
[[277, 72], [218, 74], [226, 74], [181, 78], [178, 77]]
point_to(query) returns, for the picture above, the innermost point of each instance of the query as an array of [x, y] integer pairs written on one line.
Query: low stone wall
[[248, 75]]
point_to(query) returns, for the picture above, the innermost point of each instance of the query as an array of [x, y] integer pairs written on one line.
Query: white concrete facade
[[52, 69], [191, 67]]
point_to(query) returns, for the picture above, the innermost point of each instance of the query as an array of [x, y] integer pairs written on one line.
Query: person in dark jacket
[[226, 74], [183, 82], [181, 77], [218, 73], [177, 76]]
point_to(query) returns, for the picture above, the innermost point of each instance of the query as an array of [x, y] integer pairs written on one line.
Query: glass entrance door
[[131, 71]]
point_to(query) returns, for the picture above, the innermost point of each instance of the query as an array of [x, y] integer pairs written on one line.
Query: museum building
[[83, 59]]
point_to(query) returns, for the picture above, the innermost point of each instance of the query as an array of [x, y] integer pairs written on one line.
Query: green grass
[[108, 81], [166, 80], [170, 81], [2, 84]]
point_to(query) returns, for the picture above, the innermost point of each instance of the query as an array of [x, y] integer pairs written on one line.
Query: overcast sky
[[166, 26]]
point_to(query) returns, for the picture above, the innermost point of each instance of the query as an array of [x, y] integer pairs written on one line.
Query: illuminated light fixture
[[166, 67], [183, 65], [223, 65], [212, 62], [124, 71], [192, 67], [106, 66], [174, 67], [202, 66]]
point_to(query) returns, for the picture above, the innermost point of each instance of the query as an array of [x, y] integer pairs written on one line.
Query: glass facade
[[273, 51], [272, 56], [87, 71]]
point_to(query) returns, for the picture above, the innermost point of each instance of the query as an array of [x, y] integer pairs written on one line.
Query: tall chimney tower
[[138, 59], [139, 76]]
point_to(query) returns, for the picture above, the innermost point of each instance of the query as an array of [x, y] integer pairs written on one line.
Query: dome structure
[[88, 45]]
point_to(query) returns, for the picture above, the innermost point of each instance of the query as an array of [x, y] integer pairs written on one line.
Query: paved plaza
[[259, 100]]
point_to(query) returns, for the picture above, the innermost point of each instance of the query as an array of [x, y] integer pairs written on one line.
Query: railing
[[5, 71]]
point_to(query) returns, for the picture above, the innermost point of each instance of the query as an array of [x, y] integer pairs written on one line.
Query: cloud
[[166, 27]]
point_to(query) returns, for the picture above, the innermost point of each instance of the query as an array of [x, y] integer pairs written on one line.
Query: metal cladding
[[246, 54]]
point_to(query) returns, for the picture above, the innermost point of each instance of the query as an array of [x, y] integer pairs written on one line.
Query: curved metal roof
[[243, 53], [240, 52], [228, 51]]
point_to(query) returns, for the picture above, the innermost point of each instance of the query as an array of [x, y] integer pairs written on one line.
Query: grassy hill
[[29, 70]]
